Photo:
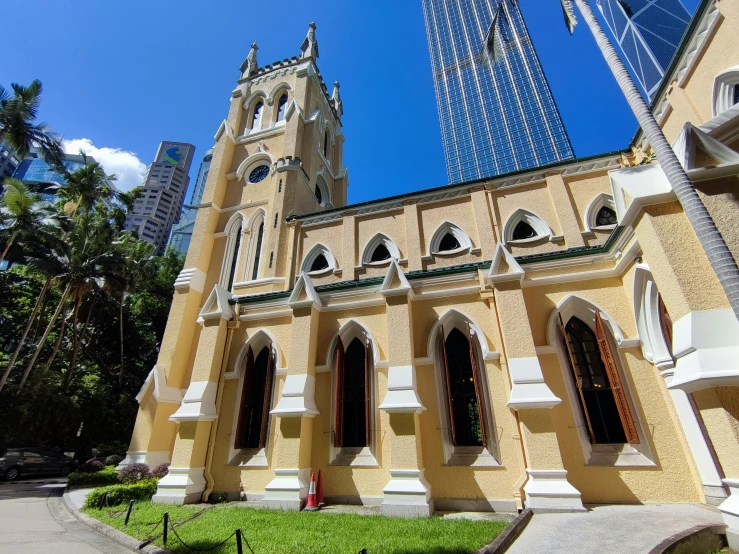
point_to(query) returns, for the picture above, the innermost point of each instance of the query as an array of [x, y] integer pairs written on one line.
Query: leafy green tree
[[18, 113]]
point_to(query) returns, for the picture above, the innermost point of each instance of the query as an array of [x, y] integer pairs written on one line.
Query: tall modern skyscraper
[[9, 161], [181, 234], [164, 186], [494, 119], [648, 32]]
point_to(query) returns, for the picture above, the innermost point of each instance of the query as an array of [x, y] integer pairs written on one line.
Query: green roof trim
[[573, 252]]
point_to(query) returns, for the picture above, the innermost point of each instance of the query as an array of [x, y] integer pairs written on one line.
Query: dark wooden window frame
[[267, 401], [338, 392]]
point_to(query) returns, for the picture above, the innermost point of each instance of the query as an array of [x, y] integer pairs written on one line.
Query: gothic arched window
[[319, 194], [325, 144], [281, 107], [352, 410], [258, 252], [256, 118], [380, 253], [523, 231], [605, 216], [234, 258], [319, 263], [465, 397], [600, 393], [448, 242], [256, 393]]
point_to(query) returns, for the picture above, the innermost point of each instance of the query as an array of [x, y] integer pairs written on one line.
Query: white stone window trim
[[359, 457], [311, 256], [591, 214], [608, 455], [249, 105], [468, 456], [543, 231], [260, 157], [723, 89], [373, 243], [465, 243], [252, 457], [252, 231], [233, 226], [646, 311]]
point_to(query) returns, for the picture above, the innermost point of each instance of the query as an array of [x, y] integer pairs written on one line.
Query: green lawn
[[272, 531]]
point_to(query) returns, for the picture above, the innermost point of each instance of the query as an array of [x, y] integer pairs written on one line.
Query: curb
[[677, 538], [509, 534], [113, 534]]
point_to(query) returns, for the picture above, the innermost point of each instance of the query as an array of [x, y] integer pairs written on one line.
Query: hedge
[[106, 476], [120, 494]]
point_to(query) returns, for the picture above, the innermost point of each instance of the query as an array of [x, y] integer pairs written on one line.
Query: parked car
[[31, 461]]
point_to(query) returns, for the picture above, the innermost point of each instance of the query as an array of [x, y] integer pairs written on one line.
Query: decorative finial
[[309, 48], [249, 67], [336, 99]]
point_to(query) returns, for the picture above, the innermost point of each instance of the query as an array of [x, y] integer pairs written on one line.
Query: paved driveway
[[34, 520]]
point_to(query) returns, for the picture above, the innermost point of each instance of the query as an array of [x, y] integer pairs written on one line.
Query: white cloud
[[126, 166]]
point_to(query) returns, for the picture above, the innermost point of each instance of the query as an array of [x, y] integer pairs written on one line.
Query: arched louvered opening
[[448, 242], [605, 216], [282, 107], [234, 258], [523, 231], [352, 394], [256, 394], [258, 252], [320, 263], [380, 253]]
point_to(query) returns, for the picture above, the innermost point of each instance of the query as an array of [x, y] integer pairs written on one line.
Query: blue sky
[[125, 76]]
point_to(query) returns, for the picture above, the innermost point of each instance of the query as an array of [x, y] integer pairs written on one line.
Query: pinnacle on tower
[[336, 99], [249, 66], [309, 48]]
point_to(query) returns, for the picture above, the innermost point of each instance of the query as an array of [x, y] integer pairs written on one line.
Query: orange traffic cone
[[319, 491], [312, 505]]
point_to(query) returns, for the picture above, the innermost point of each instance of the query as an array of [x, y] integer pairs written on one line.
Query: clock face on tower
[[259, 174]]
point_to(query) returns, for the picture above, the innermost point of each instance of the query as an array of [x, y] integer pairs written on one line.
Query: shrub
[[108, 476], [121, 494], [113, 460], [90, 467], [160, 471], [134, 473]]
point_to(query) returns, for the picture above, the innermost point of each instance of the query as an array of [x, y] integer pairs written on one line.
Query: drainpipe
[[209, 481]]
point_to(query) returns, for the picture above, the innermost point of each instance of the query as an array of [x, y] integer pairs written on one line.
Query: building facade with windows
[[544, 338], [494, 118], [9, 161], [164, 188], [648, 32], [181, 234]]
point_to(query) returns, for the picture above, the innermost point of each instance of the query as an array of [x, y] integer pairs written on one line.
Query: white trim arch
[[321, 183], [259, 217], [465, 243], [646, 311], [277, 90], [233, 226], [257, 340], [249, 105], [374, 242], [723, 89], [476, 456], [597, 454], [350, 330], [600, 201], [537, 223], [311, 256], [251, 162]]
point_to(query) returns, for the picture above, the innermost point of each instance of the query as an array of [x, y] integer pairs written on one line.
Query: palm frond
[[568, 11]]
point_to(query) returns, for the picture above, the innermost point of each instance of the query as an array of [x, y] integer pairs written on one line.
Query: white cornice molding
[[190, 278]]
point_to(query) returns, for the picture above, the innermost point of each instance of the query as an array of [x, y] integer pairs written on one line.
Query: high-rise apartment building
[[9, 161], [648, 32], [164, 187], [494, 118], [181, 234]]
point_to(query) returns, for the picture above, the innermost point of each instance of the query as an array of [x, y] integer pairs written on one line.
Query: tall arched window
[[600, 392], [282, 107], [256, 118], [352, 405], [256, 393], [325, 144], [234, 259], [258, 252], [465, 398]]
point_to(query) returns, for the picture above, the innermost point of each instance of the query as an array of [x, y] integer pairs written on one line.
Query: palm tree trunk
[[45, 336], [75, 344], [120, 318], [722, 262], [57, 344], [22, 341], [7, 246]]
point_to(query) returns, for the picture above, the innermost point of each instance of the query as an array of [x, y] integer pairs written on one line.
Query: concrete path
[[606, 529], [33, 520]]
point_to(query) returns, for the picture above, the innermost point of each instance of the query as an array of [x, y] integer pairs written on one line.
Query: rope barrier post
[[166, 527], [128, 513], [239, 548]]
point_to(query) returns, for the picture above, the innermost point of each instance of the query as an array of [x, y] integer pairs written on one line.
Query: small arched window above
[[282, 107], [321, 191], [524, 226], [318, 261], [601, 213], [256, 117], [319, 194], [325, 144], [380, 250], [726, 90], [449, 239]]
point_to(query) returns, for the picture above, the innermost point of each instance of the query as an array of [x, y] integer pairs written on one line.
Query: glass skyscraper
[[648, 32], [181, 234], [494, 119]]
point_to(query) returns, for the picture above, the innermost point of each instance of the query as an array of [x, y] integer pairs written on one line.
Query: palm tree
[[713, 243], [87, 186], [17, 116], [24, 216]]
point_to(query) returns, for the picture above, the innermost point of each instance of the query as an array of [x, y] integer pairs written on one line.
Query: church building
[[544, 338]]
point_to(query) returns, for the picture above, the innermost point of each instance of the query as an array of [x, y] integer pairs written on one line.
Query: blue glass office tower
[[648, 32], [494, 119], [181, 234]]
